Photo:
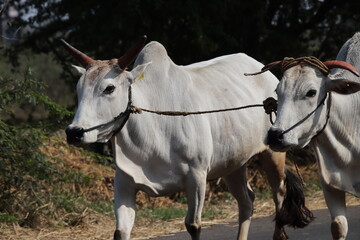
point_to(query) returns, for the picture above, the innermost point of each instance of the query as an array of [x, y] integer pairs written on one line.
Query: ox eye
[[311, 93], [109, 89]]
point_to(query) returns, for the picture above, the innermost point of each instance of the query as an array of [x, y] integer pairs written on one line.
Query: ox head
[[302, 90], [102, 93]]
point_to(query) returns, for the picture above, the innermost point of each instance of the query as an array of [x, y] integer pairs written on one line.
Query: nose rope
[[269, 106], [123, 115], [186, 113], [289, 62], [322, 102]]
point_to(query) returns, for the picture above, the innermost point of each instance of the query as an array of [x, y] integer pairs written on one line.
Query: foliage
[[168, 213], [33, 187], [162, 213], [192, 30]]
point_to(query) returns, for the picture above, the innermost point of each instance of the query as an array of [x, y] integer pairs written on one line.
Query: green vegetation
[[162, 213], [33, 188], [210, 212]]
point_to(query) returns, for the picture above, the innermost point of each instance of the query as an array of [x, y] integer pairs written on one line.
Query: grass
[[7, 218], [170, 213], [164, 214], [100, 206]]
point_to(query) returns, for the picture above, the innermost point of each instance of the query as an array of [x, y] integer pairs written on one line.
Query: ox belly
[[153, 180], [163, 172]]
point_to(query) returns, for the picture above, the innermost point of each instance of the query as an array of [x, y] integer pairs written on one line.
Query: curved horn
[[83, 59], [343, 65], [130, 55]]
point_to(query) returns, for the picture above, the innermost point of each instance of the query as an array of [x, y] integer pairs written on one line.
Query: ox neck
[[344, 120], [328, 107]]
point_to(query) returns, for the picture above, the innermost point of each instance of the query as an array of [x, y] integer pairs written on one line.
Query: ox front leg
[[124, 206], [335, 200], [195, 193], [239, 188]]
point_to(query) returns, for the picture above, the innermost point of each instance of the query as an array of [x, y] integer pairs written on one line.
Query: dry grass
[[94, 225], [98, 226]]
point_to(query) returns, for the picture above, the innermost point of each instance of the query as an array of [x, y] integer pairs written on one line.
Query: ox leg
[[335, 200], [273, 164], [195, 193], [124, 206], [239, 188]]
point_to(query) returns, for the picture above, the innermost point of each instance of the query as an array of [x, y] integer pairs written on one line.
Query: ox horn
[[83, 59], [130, 55], [343, 65]]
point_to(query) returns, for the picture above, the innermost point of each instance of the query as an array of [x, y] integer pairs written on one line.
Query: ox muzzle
[[275, 140], [74, 135]]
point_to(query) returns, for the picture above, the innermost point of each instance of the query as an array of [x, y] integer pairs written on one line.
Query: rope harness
[[287, 63], [121, 118], [322, 102], [269, 105]]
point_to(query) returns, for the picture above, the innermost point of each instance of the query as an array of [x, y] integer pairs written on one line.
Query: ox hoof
[[280, 234], [194, 230], [339, 228], [117, 235]]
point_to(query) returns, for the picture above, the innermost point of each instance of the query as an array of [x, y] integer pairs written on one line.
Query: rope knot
[[270, 105], [134, 109]]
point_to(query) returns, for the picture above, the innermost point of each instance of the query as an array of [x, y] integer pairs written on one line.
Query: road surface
[[262, 229]]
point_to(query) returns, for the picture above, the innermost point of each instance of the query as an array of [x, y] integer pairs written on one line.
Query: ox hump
[[355, 41], [153, 52]]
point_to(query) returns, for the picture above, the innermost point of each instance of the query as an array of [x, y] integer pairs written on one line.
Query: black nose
[[74, 134], [275, 137]]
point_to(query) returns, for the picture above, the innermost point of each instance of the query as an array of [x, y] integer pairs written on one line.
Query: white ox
[[162, 155], [333, 128]]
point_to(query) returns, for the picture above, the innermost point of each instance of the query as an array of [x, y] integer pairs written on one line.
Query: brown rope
[[287, 63], [184, 113]]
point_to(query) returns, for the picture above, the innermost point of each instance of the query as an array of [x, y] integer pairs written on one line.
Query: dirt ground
[[97, 226]]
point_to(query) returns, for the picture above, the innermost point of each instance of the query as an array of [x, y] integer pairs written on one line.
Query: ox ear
[[79, 70], [343, 86], [139, 71]]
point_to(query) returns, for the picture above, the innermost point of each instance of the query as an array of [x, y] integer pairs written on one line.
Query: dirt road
[[262, 228]]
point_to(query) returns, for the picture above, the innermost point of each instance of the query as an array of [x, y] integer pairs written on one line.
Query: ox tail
[[293, 211]]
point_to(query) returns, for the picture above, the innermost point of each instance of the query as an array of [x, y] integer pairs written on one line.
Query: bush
[[32, 187]]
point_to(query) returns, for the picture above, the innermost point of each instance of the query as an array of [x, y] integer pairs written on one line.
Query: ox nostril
[[74, 134], [275, 137]]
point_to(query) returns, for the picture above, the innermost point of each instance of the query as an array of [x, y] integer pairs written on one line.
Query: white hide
[[338, 149], [159, 151], [338, 146], [162, 155]]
